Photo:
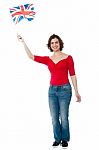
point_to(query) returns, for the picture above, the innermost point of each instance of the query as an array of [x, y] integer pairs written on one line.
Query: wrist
[[76, 91], [23, 42]]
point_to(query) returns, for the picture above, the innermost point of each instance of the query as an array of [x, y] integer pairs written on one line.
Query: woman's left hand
[[78, 97]]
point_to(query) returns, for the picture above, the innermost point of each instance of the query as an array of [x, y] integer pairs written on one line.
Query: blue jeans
[[59, 100]]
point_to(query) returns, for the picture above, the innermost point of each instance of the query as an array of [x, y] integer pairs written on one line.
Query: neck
[[57, 53]]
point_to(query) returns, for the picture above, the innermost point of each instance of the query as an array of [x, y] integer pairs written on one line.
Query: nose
[[55, 44]]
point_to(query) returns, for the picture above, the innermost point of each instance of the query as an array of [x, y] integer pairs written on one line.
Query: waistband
[[67, 84]]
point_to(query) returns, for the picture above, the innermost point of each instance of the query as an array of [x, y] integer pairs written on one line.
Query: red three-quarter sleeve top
[[59, 71]]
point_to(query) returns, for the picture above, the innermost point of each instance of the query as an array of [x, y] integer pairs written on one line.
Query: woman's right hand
[[20, 38]]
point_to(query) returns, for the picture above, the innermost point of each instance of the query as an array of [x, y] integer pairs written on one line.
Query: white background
[[25, 121]]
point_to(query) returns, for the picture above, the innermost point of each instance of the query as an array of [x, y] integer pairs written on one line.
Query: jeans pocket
[[67, 87]]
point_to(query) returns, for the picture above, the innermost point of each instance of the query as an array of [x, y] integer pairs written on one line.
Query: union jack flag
[[22, 12]]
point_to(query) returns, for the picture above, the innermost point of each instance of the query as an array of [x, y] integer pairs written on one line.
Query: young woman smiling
[[60, 90]]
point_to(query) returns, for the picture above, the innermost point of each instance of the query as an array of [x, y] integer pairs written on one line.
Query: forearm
[[74, 82], [30, 55]]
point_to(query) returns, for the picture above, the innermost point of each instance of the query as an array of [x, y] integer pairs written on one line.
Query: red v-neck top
[[59, 71]]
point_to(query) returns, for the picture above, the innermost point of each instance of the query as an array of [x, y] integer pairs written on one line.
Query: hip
[[60, 89]]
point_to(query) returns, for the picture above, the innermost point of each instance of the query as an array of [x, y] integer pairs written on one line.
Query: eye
[[56, 42]]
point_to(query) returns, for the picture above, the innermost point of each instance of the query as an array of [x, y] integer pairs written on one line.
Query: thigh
[[64, 99], [53, 103]]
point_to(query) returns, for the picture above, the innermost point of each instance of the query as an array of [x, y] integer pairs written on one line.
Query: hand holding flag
[[20, 38]]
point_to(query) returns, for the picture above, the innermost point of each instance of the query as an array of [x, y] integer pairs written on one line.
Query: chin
[[56, 50]]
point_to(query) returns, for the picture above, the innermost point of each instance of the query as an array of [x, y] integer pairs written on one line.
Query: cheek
[[51, 45], [58, 45]]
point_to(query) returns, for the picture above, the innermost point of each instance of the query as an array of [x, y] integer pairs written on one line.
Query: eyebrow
[[54, 42]]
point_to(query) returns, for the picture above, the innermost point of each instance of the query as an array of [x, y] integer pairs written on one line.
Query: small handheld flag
[[22, 12]]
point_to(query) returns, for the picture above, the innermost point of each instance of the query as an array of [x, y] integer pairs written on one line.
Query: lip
[[55, 47]]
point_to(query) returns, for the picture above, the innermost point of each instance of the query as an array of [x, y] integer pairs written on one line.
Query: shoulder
[[70, 59], [70, 56]]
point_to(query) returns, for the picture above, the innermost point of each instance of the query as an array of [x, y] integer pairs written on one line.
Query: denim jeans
[[59, 100]]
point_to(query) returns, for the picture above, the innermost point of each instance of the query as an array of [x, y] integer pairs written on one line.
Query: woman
[[60, 91]]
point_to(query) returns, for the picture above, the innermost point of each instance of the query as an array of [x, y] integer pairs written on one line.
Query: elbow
[[31, 57], [72, 75]]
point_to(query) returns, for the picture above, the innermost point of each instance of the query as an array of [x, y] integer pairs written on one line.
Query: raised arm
[[29, 53]]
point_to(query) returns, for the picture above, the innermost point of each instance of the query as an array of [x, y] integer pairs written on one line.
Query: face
[[55, 45]]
